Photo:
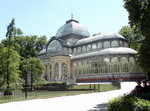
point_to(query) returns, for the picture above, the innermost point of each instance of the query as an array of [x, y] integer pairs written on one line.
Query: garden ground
[[82, 102]]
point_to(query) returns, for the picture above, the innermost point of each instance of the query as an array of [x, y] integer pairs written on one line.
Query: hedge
[[128, 103]]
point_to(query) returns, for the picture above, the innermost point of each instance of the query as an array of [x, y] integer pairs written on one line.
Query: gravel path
[[83, 102]]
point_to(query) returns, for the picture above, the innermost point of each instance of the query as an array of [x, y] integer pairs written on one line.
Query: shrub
[[145, 96], [128, 104]]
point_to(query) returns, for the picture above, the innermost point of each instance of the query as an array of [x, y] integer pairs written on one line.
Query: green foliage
[[15, 53], [35, 66], [130, 103], [144, 55], [139, 16], [14, 59], [132, 35], [27, 46]]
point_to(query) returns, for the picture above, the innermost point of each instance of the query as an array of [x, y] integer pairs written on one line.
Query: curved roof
[[104, 36], [108, 51], [72, 27]]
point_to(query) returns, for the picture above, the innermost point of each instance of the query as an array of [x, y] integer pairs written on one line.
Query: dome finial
[[71, 14]]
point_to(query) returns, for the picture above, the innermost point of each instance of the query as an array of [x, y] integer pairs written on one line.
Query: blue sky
[[45, 17]]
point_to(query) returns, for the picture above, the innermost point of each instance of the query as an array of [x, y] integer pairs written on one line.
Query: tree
[[10, 74], [132, 35], [139, 16], [27, 46], [34, 68], [11, 57]]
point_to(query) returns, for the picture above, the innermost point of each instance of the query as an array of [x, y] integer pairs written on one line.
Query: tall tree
[[9, 61], [139, 16], [10, 73]]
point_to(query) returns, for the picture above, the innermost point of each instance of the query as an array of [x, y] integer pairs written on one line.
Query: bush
[[128, 104], [145, 96]]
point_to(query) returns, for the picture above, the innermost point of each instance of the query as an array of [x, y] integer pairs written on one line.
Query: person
[[137, 88], [145, 88]]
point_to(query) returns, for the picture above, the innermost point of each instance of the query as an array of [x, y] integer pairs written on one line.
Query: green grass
[[79, 89]]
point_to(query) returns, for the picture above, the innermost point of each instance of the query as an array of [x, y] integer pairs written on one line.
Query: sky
[[45, 17]]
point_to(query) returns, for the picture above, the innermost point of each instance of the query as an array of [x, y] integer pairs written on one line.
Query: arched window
[[65, 50], [64, 71], [121, 43], [90, 66], [74, 51], [79, 49], [99, 45], [80, 67], [125, 67], [54, 46], [107, 65], [85, 67], [124, 63], [124, 60], [131, 59], [114, 60], [56, 71], [115, 64], [101, 64], [114, 43], [132, 64], [75, 68], [95, 67], [106, 44], [84, 48], [94, 46], [46, 68], [70, 51], [88, 47]]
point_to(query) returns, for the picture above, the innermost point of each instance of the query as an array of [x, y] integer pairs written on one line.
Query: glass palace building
[[74, 54]]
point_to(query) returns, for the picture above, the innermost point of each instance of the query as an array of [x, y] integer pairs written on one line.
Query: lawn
[[79, 89]]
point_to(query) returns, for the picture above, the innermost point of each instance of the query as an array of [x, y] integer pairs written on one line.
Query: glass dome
[[72, 27]]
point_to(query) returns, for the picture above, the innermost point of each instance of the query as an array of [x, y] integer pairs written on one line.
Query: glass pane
[[74, 50], [106, 44], [84, 48], [121, 43], [124, 60], [70, 51], [131, 59], [114, 60], [54, 46], [99, 45], [88, 47], [94, 46], [114, 43], [79, 49], [65, 50], [64, 71], [56, 71]]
